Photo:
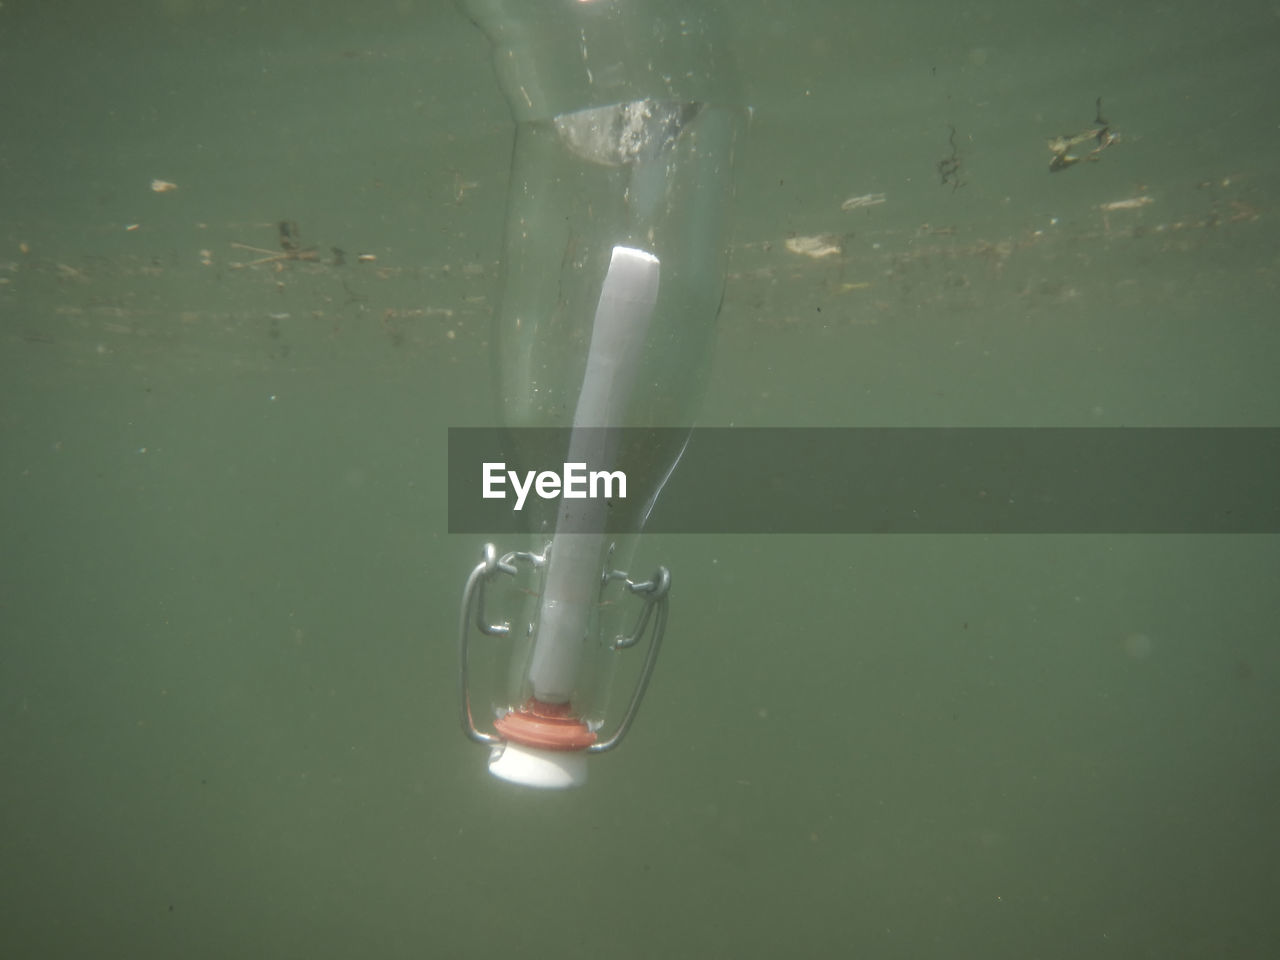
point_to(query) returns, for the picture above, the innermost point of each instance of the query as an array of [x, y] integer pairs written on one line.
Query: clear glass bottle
[[627, 114]]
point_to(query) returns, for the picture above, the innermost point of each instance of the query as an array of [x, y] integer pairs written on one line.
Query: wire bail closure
[[654, 594]]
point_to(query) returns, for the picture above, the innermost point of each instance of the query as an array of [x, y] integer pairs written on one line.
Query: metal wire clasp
[[652, 620]]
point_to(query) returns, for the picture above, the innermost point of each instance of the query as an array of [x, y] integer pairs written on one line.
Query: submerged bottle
[[614, 258]]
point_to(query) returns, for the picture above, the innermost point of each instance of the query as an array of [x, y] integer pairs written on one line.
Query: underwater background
[[228, 600]]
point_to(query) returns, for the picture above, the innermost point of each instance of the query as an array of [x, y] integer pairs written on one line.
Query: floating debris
[[817, 246], [949, 166], [866, 200], [162, 186], [1101, 133], [291, 248], [1133, 203]]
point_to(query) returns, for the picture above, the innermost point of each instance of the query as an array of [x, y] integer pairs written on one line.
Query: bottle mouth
[[545, 726]]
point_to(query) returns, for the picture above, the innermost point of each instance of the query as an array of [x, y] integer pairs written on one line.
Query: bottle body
[[614, 260]]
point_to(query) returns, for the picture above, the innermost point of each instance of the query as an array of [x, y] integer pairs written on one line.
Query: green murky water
[[228, 601]]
